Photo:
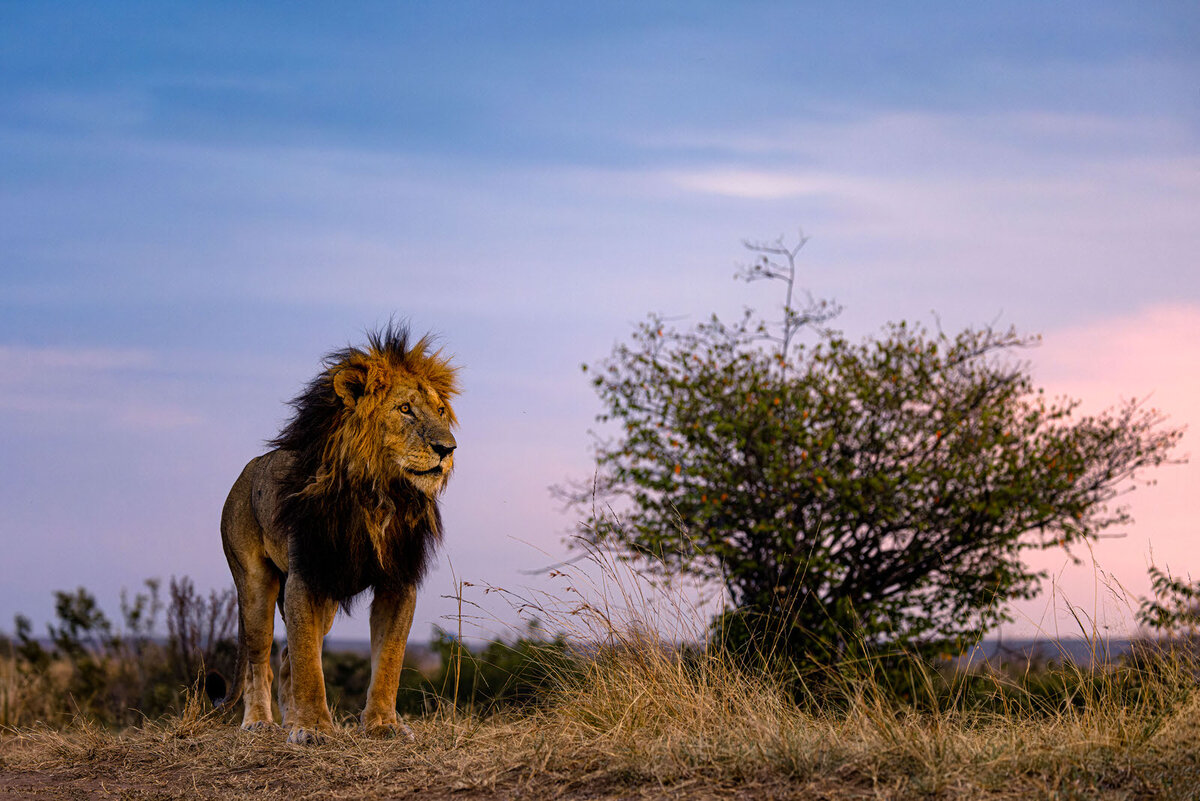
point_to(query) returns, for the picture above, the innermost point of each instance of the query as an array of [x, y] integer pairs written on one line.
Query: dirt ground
[[52, 767], [460, 757]]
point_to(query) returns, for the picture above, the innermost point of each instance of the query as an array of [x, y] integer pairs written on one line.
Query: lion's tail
[[217, 688]]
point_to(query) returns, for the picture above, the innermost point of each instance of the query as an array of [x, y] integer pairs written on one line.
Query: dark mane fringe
[[331, 549], [330, 544]]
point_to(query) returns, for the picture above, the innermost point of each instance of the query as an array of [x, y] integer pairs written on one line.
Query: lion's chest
[[343, 545]]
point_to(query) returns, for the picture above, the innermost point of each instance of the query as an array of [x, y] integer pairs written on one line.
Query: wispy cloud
[[60, 387], [27, 361], [752, 184], [1054, 214], [916, 138]]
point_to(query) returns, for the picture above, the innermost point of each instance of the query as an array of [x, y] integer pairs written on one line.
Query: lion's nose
[[444, 449]]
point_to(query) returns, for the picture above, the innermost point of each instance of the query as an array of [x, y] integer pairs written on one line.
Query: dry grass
[[643, 719], [641, 722], [27, 698]]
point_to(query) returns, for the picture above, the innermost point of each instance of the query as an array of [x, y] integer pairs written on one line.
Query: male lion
[[346, 502]]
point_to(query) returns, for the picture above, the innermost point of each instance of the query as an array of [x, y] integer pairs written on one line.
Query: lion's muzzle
[[441, 442]]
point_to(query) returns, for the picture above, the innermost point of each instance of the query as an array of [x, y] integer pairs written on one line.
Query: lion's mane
[[341, 484]]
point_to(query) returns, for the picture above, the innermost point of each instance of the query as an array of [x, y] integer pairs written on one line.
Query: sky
[[200, 200]]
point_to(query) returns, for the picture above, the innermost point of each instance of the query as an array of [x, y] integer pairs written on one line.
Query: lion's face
[[416, 436], [396, 417]]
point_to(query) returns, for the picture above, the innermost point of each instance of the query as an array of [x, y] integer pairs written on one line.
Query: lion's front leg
[[391, 619], [307, 620]]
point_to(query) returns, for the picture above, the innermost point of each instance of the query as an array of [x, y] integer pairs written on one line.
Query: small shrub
[[115, 676]]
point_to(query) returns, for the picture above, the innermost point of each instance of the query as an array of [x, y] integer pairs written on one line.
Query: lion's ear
[[352, 383]]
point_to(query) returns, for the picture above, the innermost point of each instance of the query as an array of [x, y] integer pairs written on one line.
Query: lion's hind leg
[[258, 610], [257, 581]]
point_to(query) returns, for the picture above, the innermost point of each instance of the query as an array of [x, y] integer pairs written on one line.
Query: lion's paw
[[259, 725], [300, 736], [391, 731]]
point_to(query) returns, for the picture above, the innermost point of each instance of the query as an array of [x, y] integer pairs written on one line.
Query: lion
[[347, 501]]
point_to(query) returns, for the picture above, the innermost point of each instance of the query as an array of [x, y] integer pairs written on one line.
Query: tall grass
[[644, 703], [633, 708]]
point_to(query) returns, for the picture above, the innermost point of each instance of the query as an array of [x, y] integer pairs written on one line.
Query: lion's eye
[[405, 408]]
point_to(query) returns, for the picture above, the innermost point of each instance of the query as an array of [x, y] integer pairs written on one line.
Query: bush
[[885, 490], [114, 676]]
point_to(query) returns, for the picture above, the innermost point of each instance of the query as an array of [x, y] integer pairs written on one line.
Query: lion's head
[[396, 415], [373, 449]]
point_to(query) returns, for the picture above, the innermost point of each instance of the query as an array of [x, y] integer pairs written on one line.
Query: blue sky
[[198, 202]]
